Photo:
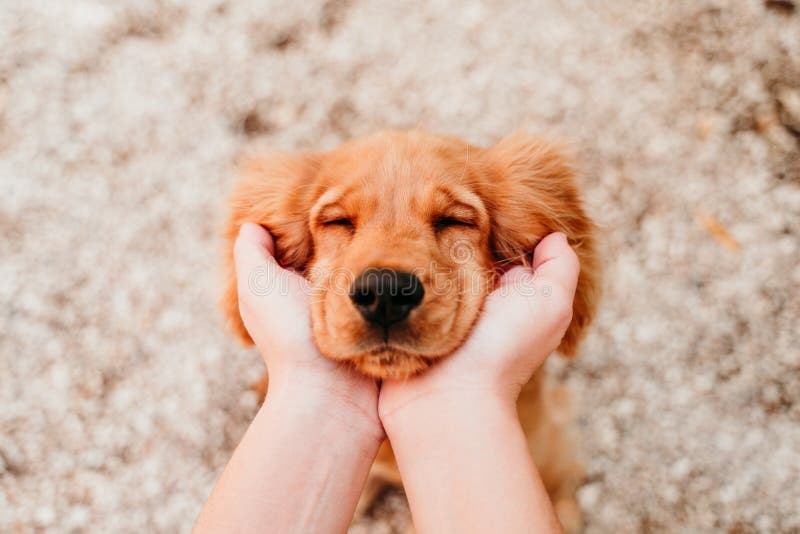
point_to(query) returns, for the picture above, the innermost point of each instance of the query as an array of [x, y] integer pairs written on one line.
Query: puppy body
[[454, 216]]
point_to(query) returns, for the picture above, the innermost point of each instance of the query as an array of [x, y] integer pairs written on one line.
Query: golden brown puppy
[[403, 234]]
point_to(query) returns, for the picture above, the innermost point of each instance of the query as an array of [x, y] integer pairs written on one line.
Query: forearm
[[299, 468], [466, 466]]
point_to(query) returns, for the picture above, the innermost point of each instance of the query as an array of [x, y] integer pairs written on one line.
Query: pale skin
[[461, 451]]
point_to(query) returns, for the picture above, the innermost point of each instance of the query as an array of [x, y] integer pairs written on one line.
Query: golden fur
[[454, 214]]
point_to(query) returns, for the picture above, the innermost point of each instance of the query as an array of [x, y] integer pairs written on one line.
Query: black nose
[[386, 296]]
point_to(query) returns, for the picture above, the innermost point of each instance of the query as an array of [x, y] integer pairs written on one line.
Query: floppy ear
[[273, 191], [534, 194]]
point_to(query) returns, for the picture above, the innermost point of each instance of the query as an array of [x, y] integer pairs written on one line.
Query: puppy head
[[403, 234]]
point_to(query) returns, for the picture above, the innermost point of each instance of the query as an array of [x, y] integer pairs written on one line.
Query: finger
[[513, 295], [253, 249], [259, 273], [554, 262]]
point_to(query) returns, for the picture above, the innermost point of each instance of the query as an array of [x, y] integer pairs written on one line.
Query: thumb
[[540, 299], [257, 270], [556, 264], [253, 249]]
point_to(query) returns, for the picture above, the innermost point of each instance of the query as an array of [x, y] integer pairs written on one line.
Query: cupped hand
[[274, 305], [523, 321]]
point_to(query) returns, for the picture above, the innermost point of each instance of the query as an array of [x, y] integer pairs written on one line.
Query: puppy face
[[403, 234], [401, 255]]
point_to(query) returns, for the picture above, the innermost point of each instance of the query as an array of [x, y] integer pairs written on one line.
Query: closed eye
[[443, 223], [344, 222]]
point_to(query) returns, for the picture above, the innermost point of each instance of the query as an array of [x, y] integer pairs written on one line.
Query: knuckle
[[561, 306], [242, 287], [244, 307], [572, 261], [565, 317], [238, 246], [571, 254]]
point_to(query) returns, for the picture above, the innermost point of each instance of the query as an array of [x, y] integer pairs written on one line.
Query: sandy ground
[[120, 395]]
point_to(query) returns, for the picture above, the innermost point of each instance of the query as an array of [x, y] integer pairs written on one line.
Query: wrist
[[327, 404], [433, 411], [461, 454]]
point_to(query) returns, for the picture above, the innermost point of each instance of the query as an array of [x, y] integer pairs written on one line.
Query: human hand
[[273, 303], [523, 321], [317, 432]]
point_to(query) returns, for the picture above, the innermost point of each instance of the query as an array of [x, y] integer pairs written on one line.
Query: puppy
[[403, 234]]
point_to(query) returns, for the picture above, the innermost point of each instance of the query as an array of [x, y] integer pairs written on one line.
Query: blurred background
[[121, 396]]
